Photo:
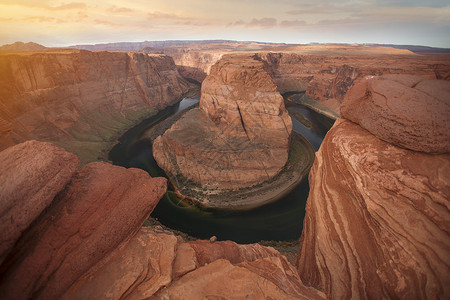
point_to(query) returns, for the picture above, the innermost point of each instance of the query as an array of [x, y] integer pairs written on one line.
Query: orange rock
[[31, 174], [158, 265], [137, 270], [377, 219], [404, 110], [227, 281], [103, 206], [325, 72], [73, 95], [240, 135]]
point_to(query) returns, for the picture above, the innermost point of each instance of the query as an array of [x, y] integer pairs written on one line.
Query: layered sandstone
[[158, 265], [31, 174], [404, 110], [89, 244], [239, 137], [377, 216], [79, 99], [102, 207], [325, 72]]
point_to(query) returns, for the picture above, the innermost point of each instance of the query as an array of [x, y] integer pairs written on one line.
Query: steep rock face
[[405, 110], [158, 265], [377, 221], [79, 98], [332, 81], [31, 174], [325, 72], [239, 136], [103, 206]]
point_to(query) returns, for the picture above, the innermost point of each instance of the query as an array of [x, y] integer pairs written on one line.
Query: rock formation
[[101, 208], [21, 46], [157, 264], [376, 222], [89, 244], [82, 100], [31, 174], [239, 137], [325, 72], [407, 111]]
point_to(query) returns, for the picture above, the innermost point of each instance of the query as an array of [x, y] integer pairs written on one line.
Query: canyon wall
[[82, 100], [377, 217], [325, 72], [83, 239]]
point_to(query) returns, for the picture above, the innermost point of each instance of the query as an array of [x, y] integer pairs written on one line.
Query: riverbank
[[301, 157], [99, 151], [301, 99]]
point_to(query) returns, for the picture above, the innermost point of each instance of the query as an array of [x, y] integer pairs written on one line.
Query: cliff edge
[[377, 216], [82, 100]]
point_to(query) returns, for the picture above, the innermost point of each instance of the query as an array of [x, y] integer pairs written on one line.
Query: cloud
[[68, 6], [263, 22], [45, 4], [410, 3], [165, 16], [45, 19], [115, 9], [293, 23], [104, 22]]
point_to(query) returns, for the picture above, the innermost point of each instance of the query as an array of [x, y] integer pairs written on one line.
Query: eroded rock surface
[[239, 137], [31, 174], [377, 219], [404, 110], [103, 207], [158, 265], [325, 72], [82, 99]]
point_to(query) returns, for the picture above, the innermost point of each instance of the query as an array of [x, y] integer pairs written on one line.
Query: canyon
[[82, 100], [239, 136], [85, 240], [324, 72], [378, 211]]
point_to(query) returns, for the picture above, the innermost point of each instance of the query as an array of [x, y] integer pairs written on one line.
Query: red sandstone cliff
[[81, 99], [377, 217], [325, 72], [240, 135]]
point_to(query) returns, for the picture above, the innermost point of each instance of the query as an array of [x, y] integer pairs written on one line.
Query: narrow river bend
[[278, 221]]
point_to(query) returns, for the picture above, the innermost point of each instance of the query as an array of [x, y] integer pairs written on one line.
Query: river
[[278, 221]]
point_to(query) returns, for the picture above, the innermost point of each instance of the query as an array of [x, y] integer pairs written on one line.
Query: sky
[[55, 23]]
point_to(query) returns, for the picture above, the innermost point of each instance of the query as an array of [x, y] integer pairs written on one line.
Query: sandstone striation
[[89, 244], [404, 110], [31, 174], [82, 100], [324, 72], [158, 265], [239, 137], [377, 219], [102, 207]]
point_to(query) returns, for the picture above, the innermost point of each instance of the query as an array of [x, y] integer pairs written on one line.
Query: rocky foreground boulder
[[88, 215], [31, 174], [157, 264], [240, 135], [377, 217], [404, 110]]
